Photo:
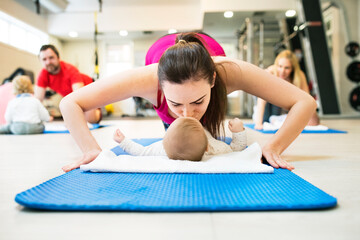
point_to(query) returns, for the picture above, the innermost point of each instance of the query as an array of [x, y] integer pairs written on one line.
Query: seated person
[[186, 139], [61, 77], [25, 113]]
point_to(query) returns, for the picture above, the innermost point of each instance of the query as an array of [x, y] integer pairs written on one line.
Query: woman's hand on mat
[[88, 157], [118, 136], [275, 160], [258, 126]]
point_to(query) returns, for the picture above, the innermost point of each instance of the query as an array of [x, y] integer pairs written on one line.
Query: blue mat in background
[[252, 126], [180, 192], [94, 126]]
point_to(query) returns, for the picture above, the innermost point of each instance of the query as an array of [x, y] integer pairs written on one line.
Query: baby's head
[[185, 139], [22, 84]]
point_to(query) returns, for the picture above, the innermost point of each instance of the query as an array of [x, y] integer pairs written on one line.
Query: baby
[[24, 114], [186, 139]]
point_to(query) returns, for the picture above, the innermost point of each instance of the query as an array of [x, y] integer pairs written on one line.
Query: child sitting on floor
[[25, 113], [186, 139]]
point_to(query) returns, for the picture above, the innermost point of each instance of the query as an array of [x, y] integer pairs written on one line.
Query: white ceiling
[[156, 16]]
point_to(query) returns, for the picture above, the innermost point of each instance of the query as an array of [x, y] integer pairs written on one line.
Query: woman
[[189, 82], [286, 67]]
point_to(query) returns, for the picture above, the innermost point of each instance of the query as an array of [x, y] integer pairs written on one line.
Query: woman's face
[[284, 68], [189, 99]]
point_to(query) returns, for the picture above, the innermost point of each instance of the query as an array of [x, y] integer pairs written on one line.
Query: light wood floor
[[328, 161]]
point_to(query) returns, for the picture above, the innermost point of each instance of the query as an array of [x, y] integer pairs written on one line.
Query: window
[[4, 31], [21, 35]]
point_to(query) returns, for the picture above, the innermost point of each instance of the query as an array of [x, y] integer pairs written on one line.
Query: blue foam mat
[[161, 192], [84, 191], [252, 126], [94, 126]]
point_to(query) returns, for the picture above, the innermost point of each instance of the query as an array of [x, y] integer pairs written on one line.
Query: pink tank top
[[156, 51]]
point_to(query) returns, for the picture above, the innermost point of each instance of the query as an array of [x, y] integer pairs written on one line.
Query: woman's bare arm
[[304, 85], [249, 78], [141, 82]]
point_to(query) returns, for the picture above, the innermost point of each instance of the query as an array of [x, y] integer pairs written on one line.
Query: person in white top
[[25, 113], [186, 139]]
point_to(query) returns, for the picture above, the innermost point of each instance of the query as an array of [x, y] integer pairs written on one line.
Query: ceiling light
[[172, 30], [290, 13], [123, 33], [73, 34], [228, 14]]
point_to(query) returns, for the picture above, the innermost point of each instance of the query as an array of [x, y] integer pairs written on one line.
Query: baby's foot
[[118, 136]]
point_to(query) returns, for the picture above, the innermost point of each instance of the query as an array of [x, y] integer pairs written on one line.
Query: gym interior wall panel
[[12, 58], [81, 54], [320, 57]]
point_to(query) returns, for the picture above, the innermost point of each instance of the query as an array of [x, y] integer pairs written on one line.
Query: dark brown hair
[[189, 59], [52, 47]]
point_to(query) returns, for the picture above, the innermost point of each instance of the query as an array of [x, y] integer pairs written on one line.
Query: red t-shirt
[[63, 81]]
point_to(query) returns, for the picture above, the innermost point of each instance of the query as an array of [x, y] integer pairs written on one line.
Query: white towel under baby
[[246, 161]]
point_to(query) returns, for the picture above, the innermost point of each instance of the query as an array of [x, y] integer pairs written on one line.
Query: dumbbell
[[352, 49], [353, 71], [355, 98]]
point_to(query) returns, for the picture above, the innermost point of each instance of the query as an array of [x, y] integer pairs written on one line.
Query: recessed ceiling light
[[123, 33], [228, 14], [73, 34], [172, 30], [290, 13]]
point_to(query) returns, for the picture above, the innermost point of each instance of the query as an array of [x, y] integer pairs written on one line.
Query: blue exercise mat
[[94, 126], [86, 191], [252, 126]]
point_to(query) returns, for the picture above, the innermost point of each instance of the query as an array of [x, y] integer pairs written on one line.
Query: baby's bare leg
[[118, 136], [236, 125]]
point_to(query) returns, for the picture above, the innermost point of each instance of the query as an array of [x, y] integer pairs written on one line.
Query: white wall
[[81, 54], [12, 58]]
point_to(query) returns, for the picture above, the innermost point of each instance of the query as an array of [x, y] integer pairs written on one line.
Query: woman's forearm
[[75, 122], [260, 109], [296, 120]]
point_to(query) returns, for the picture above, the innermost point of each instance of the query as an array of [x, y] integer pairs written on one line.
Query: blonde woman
[[286, 67]]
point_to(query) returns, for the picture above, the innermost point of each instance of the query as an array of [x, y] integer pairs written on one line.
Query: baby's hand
[[236, 125], [118, 136]]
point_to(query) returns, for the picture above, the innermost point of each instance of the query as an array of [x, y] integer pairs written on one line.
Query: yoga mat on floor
[[175, 192], [328, 131], [84, 191], [60, 128]]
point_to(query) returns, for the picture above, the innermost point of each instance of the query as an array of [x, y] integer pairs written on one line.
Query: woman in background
[[286, 67]]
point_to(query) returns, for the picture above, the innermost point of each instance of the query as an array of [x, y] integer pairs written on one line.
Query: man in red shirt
[[61, 77]]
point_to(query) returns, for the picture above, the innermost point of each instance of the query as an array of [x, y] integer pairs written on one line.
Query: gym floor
[[328, 161]]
